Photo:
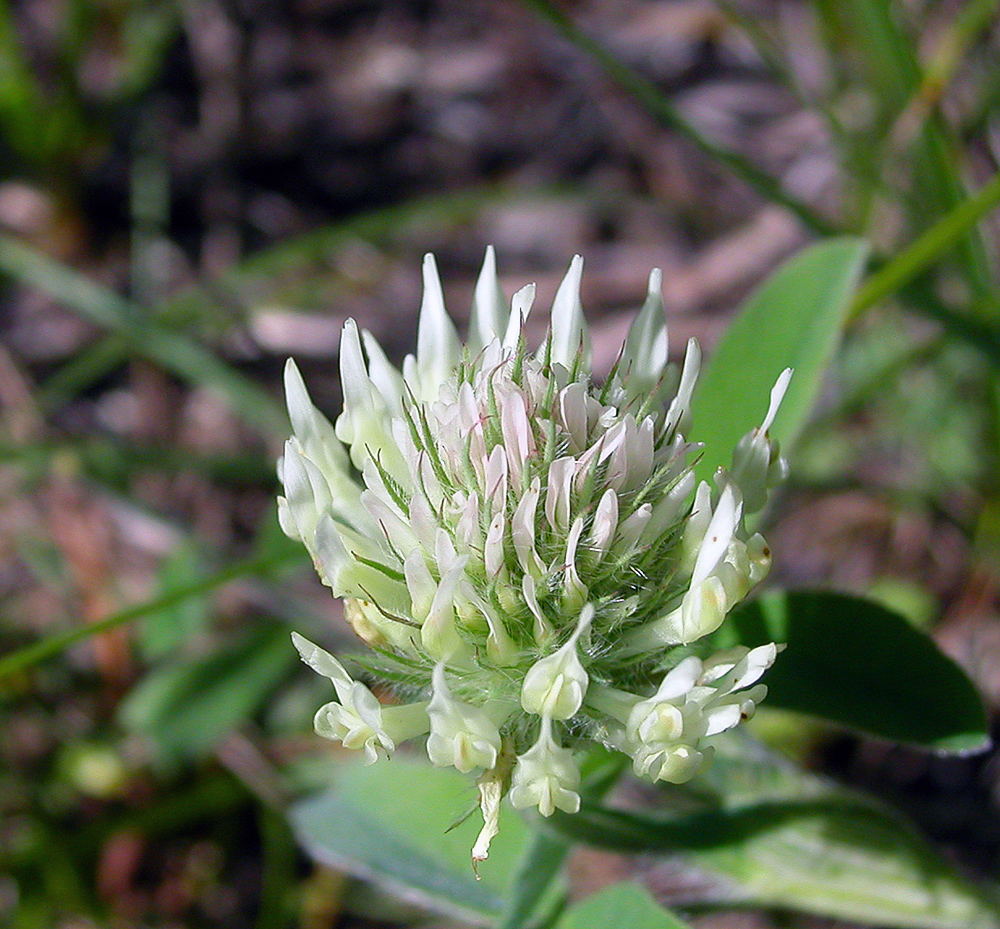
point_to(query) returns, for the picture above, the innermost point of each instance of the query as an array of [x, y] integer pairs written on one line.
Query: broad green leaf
[[623, 904], [389, 823], [794, 320], [856, 663], [186, 707], [776, 836]]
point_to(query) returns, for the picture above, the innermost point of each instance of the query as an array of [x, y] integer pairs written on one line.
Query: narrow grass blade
[[927, 248], [52, 645], [650, 97], [176, 352]]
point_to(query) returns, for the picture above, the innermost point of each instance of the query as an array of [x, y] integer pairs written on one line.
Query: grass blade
[[927, 248], [650, 96], [52, 645], [176, 352]]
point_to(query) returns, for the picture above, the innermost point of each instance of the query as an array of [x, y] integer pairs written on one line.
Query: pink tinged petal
[[605, 523], [573, 412], [557, 495], [488, 319], [493, 556], [679, 411], [574, 590], [520, 307], [495, 490], [517, 436], [718, 534], [523, 531], [569, 329], [468, 410]]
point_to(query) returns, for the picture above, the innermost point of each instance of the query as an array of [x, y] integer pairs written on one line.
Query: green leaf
[[779, 837], [622, 904], [388, 823], [539, 869], [186, 707], [856, 663], [794, 320]]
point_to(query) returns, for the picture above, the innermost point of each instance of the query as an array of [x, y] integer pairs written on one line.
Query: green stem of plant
[[52, 645], [926, 249], [650, 96]]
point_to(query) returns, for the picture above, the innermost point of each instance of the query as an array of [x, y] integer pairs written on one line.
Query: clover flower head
[[526, 550]]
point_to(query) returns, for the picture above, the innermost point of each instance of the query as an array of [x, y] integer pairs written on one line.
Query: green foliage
[[389, 823], [623, 904], [778, 837], [794, 320], [855, 663], [185, 707]]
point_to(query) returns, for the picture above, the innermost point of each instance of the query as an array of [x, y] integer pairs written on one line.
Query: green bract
[[525, 550]]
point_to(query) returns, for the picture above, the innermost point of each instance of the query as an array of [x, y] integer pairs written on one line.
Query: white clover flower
[[526, 550]]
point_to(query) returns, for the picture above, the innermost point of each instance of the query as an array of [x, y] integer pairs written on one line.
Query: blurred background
[[193, 190]]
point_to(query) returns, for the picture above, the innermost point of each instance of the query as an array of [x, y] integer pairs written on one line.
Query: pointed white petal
[[777, 395], [679, 411], [488, 320], [569, 329], [718, 535], [520, 307], [645, 353], [438, 348]]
